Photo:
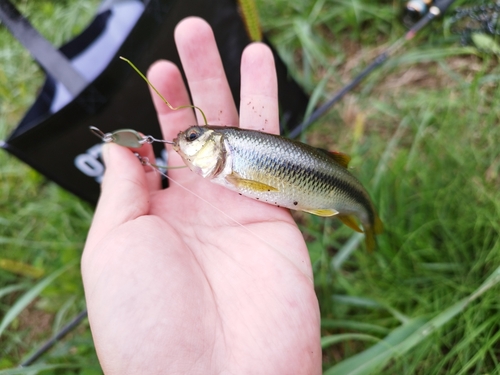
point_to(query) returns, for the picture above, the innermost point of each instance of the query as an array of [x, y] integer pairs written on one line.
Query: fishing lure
[[271, 169], [126, 137]]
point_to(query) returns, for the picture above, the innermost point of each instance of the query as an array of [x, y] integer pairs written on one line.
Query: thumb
[[124, 192]]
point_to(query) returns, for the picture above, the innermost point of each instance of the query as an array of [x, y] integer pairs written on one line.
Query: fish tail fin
[[371, 231], [378, 226], [370, 241]]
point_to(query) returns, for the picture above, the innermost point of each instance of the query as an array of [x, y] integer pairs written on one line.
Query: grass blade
[[29, 296], [33, 370], [353, 325], [326, 341], [346, 251], [11, 289], [405, 337], [376, 356]]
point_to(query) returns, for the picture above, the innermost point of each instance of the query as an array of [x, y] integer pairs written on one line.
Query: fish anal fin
[[240, 182], [351, 222], [322, 212]]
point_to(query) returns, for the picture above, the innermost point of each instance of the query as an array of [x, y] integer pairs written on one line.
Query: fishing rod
[[436, 9], [54, 339]]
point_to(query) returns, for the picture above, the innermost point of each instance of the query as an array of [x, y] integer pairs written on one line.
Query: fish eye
[[193, 134]]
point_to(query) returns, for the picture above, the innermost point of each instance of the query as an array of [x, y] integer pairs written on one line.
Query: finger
[[153, 178], [204, 71], [124, 192], [259, 90], [167, 79]]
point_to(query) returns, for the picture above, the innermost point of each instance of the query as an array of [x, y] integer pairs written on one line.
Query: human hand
[[177, 284]]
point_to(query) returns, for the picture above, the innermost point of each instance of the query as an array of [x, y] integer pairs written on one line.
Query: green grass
[[423, 135], [42, 227]]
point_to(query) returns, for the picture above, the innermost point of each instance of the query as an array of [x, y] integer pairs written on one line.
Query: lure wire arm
[[160, 95], [150, 139], [105, 137]]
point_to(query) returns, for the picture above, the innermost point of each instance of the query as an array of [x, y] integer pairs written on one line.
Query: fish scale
[[306, 175]]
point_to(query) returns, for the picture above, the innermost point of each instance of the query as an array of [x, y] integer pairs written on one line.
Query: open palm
[[195, 279]]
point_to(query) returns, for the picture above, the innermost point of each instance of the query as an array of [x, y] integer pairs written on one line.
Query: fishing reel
[[415, 10]]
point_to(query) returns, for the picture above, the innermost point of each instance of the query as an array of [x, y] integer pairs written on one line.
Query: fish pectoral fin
[[351, 222], [240, 182], [322, 212]]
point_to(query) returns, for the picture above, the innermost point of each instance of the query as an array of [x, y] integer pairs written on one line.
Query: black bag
[[88, 85]]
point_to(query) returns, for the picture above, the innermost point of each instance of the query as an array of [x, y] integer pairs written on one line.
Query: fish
[[280, 171]]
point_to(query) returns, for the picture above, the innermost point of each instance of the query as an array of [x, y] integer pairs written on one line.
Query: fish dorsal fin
[[256, 186], [350, 221], [322, 212], [339, 157]]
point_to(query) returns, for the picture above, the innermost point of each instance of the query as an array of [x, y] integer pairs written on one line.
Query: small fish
[[280, 171]]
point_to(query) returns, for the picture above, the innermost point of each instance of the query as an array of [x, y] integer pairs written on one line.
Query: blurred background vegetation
[[424, 139]]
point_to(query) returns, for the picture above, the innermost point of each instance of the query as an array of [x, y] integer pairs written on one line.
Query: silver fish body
[[279, 171]]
